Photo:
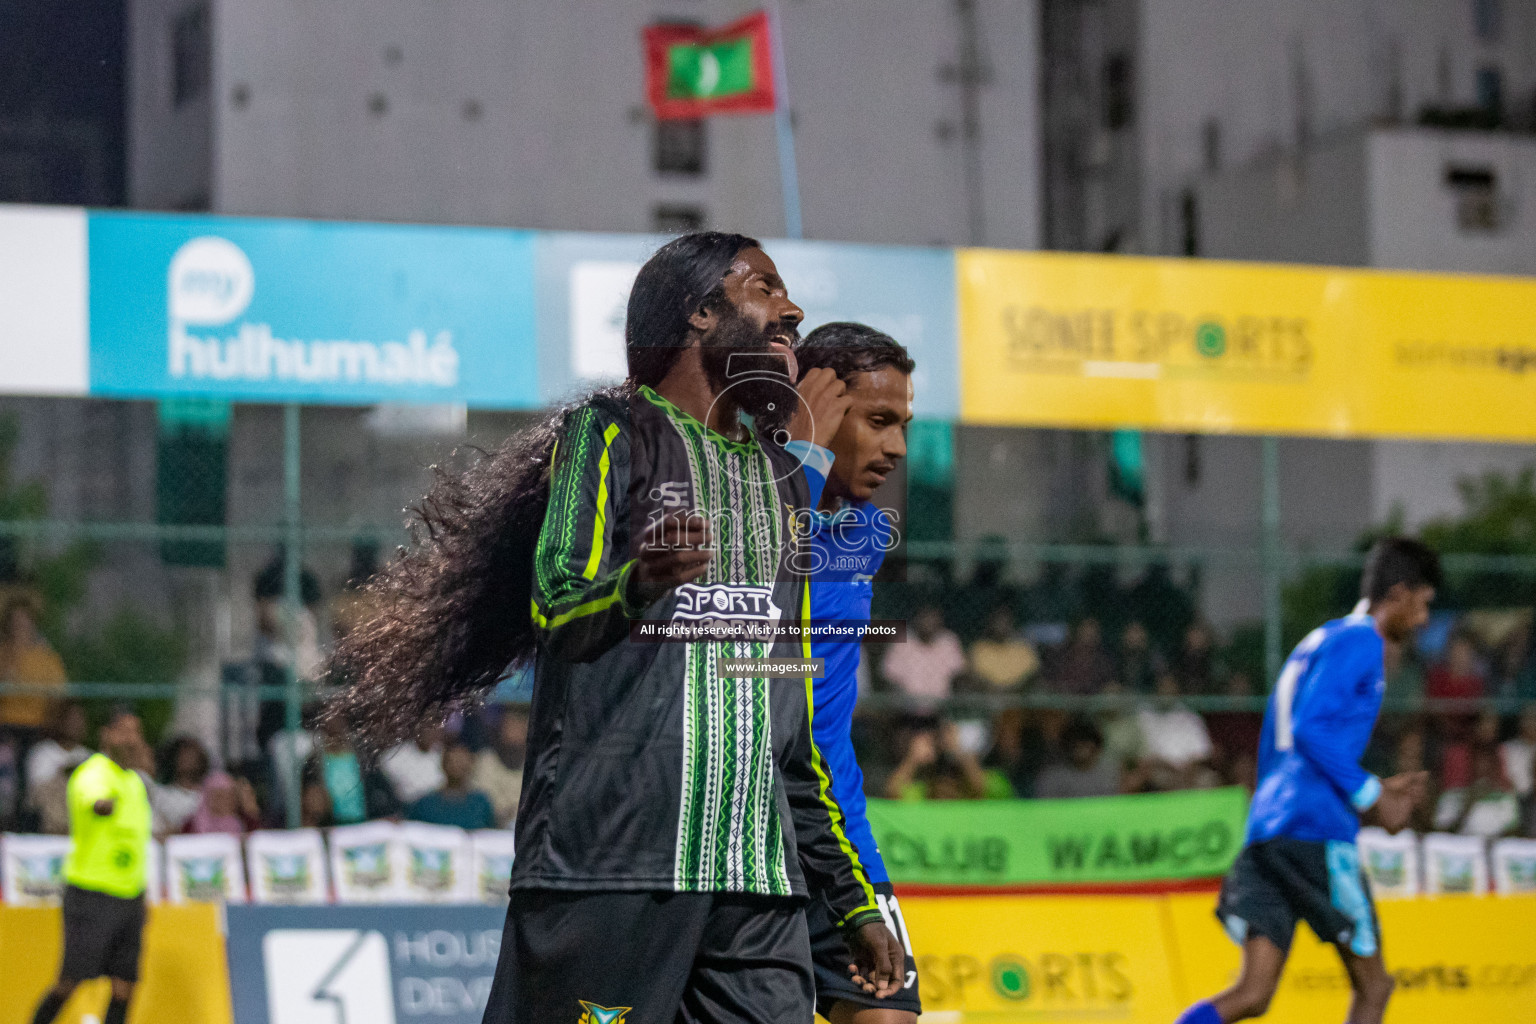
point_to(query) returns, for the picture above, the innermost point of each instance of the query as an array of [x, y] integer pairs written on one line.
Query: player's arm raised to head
[[1336, 713], [580, 608], [816, 462]]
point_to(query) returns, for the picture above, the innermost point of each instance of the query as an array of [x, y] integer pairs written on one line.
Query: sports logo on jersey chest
[[671, 493], [725, 601]]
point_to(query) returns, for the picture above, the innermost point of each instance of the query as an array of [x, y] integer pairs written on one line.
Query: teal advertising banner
[[308, 311]]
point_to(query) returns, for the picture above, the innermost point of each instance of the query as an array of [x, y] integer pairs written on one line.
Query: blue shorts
[[1278, 882]]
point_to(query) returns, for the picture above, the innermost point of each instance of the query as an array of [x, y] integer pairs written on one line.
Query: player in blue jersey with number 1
[[849, 538], [1299, 861]]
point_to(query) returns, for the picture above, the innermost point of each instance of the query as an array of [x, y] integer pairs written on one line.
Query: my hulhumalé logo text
[[1152, 343], [211, 285]]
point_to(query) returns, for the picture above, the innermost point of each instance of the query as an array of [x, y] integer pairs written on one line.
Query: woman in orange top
[[25, 657]]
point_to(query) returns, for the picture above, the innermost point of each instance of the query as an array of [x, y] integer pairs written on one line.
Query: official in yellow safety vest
[[105, 873]]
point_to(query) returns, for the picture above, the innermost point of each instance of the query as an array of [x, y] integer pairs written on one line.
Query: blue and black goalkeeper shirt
[[647, 768], [1319, 721]]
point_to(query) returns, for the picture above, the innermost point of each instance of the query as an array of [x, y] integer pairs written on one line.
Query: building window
[[1488, 16], [1477, 197], [1490, 91], [190, 64], [679, 147], [676, 218], [1119, 93]]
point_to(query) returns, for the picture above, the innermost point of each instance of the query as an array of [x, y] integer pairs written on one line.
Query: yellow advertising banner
[[1011, 960], [184, 979], [1063, 340], [1455, 959]]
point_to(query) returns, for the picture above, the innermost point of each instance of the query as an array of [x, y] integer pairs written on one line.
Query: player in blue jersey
[[849, 537], [1299, 860]]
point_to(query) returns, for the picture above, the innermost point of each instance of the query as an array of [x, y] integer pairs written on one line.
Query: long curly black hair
[[449, 616]]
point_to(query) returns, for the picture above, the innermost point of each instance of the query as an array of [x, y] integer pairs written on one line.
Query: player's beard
[[768, 397]]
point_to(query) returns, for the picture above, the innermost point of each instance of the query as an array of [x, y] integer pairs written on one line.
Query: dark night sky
[[63, 61]]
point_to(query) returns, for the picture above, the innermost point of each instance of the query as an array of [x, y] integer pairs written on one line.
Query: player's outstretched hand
[[674, 550], [824, 401], [1400, 794], [879, 960]]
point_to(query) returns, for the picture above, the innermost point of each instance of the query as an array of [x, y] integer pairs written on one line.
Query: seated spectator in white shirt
[[62, 750], [415, 768], [1487, 807], [1519, 755], [1176, 746], [926, 665], [499, 767], [1085, 772]]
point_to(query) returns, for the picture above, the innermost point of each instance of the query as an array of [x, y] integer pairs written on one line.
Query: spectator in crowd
[[1085, 771], [1404, 674], [285, 750], [1197, 667], [987, 588], [1409, 756], [1236, 733], [25, 657], [1021, 746], [275, 645], [62, 748], [1519, 754], [1121, 730], [1460, 743], [1486, 807], [1176, 746], [1459, 675], [415, 768], [179, 792], [1084, 666], [1515, 663], [315, 805], [1001, 660], [1137, 662], [455, 803], [925, 666], [499, 767], [356, 794], [938, 767], [228, 807]]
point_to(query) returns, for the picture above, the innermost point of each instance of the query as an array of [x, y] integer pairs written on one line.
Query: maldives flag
[[695, 72]]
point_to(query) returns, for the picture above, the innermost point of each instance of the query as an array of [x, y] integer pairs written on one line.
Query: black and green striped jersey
[[646, 768]]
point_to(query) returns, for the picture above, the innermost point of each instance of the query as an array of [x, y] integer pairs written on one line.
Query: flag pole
[[788, 176]]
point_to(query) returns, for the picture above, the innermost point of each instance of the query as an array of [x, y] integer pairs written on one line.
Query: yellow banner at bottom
[[185, 980], [1143, 959], [1004, 959], [1455, 959]]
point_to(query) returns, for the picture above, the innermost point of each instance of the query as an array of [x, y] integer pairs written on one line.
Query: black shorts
[[1277, 882], [831, 957], [638, 957], [102, 935]]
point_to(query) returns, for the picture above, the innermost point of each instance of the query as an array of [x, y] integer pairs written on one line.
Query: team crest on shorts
[[594, 1014]]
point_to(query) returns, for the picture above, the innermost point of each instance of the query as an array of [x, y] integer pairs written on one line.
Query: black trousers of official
[[650, 957]]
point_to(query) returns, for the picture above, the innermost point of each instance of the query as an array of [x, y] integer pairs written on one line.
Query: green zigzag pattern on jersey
[[564, 505]]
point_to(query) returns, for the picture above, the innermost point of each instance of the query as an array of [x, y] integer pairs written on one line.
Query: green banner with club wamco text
[[1140, 838]]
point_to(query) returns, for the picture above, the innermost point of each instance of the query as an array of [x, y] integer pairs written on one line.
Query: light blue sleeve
[[816, 461], [1336, 713]]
